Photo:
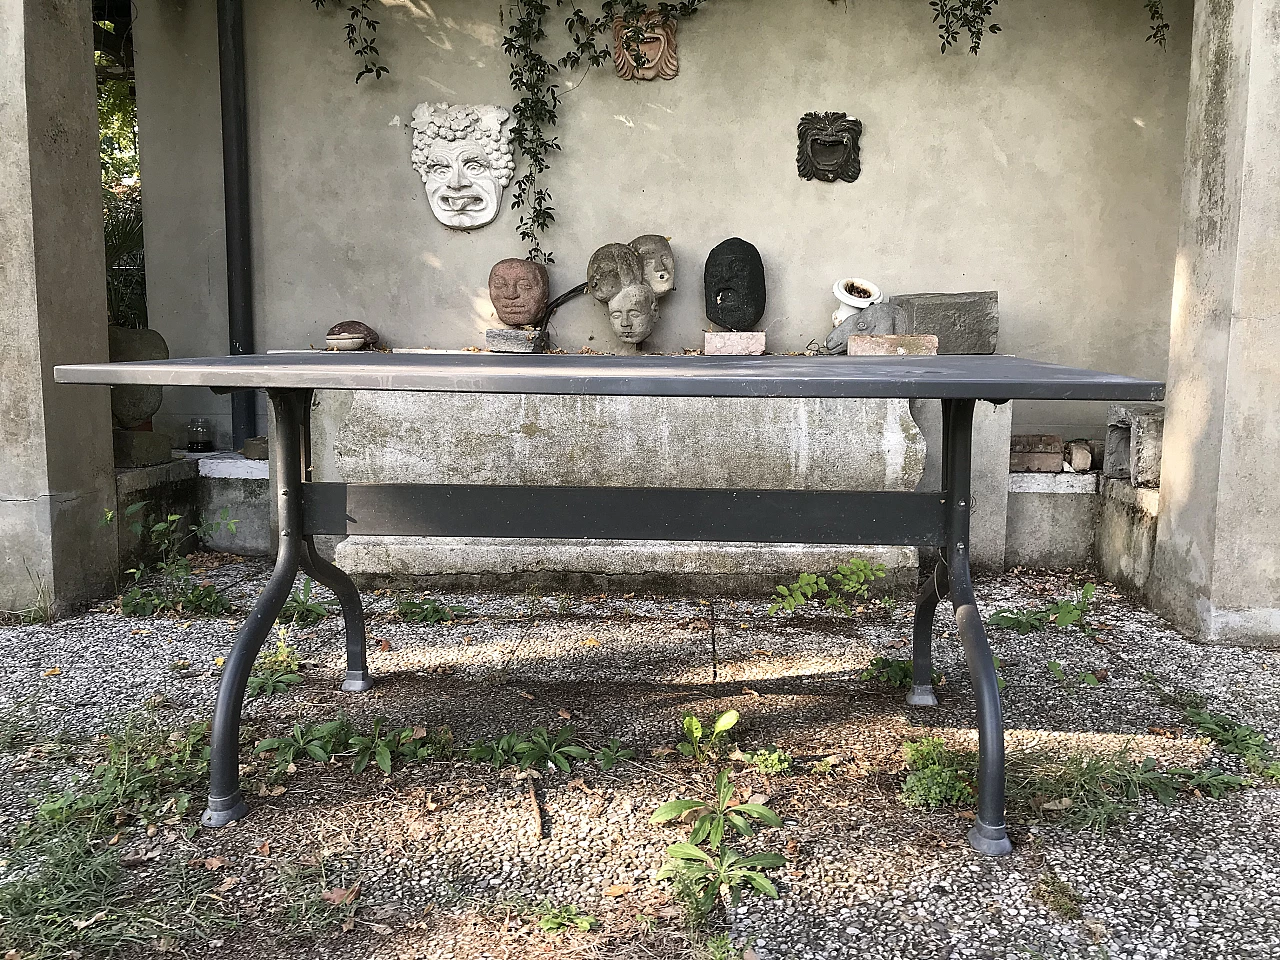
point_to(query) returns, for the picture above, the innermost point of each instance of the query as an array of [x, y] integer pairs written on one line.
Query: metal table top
[[945, 377]]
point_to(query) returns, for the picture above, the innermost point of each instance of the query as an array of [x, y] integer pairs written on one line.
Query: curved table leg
[[226, 802], [921, 693], [323, 572]]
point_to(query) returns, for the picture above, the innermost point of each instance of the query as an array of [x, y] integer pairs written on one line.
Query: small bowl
[[849, 298], [345, 341]]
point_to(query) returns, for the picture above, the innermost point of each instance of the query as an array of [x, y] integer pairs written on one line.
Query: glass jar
[[199, 435]]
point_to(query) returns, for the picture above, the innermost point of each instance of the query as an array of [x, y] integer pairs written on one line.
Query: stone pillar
[[1216, 567], [56, 471]]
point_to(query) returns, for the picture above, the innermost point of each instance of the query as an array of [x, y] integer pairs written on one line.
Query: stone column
[[56, 470], [1216, 568]]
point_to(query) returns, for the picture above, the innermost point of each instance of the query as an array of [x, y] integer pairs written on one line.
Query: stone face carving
[[879, 319], [828, 148], [657, 48], [657, 262], [520, 290], [463, 154], [733, 283], [633, 312], [612, 267]]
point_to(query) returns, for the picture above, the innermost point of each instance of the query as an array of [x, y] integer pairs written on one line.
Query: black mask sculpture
[[733, 282], [829, 147]]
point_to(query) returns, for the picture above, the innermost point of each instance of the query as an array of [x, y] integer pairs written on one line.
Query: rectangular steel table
[[308, 508]]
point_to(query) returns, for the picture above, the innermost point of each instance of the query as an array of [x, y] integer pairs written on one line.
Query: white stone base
[[733, 344]]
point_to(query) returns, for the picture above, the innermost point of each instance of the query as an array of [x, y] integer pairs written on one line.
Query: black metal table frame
[[308, 509]]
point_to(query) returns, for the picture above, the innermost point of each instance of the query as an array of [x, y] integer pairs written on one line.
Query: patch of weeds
[[39, 611], [719, 947], [824, 767], [502, 752], [771, 760], [428, 610], [277, 671], [559, 919], [1059, 896], [612, 754], [301, 609], [316, 895], [1090, 678], [1231, 736], [693, 745], [164, 583], [718, 815], [385, 748], [892, 673], [937, 776], [849, 581], [544, 750], [1061, 613], [317, 741], [700, 877]]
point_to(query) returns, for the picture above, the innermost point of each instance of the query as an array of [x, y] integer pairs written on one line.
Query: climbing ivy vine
[[533, 77]]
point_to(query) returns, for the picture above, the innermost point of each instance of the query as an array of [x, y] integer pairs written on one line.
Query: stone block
[[1135, 443], [1053, 520], [962, 322], [508, 340], [140, 448], [1035, 453], [256, 448], [733, 344], [893, 345], [1079, 455], [1126, 536]]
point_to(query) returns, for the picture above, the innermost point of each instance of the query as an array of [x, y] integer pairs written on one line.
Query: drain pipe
[[235, 186]]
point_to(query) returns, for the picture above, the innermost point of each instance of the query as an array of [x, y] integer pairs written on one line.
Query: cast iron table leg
[[226, 803], [921, 693], [988, 834]]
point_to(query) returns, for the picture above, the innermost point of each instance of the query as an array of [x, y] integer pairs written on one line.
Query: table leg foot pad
[[357, 681], [922, 695], [990, 841], [224, 810]]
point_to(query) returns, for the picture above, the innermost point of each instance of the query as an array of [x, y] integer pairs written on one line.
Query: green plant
[[546, 751], [360, 31], [276, 671], [771, 760], [300, 609], [377, 746], [692, 745], [1023, 621], [851, 580], [893, 673], [428, 610], [720, 947], [503, 752], [937, 776], [1060, 613], [700, 877], [316, 741], [559, 919], [611, 754], [718, 815], [164, 583], [1231, 736]]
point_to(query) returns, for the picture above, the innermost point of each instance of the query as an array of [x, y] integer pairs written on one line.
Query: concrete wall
[[1126, 536], [1216, 567], [1052, 520], [1048, 168], [55, 441]]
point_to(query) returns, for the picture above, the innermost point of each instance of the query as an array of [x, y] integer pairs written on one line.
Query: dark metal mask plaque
[[733, 281], [829, 147]]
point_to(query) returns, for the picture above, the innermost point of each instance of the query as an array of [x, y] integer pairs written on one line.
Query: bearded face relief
[[654, 40], [519, 290], [612, 267], [463, 154], [733, 282], [828, 148], [656, 261], [633, 313]]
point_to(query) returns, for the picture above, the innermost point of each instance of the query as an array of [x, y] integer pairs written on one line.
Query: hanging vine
[[360, 30]]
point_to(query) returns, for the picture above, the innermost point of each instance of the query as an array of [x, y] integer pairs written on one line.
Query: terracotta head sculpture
[[633, 312], [828, 147], [612, 267], [519, 290], [463, 155], [657, 261], [654, 39], [733, 282]]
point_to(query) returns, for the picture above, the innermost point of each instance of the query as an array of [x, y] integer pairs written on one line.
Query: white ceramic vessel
[[851, 303]]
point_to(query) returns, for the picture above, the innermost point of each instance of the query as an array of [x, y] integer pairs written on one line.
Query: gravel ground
[[447, 855]]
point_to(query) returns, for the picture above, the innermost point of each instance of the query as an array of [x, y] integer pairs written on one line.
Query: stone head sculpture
[[646, 51], [656, 261], [828, 148], [733, 283], [633, 312], [612, 267], [519, 290], [463, 154]]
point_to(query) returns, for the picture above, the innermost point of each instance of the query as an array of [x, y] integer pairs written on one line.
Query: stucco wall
[[1048, 168]]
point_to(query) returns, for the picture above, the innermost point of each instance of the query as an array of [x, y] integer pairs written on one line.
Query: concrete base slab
[[1052, 519], [655, 566], [733, 344], [1126, 536]]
